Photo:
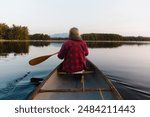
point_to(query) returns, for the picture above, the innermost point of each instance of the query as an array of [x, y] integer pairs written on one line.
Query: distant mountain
[[59, 35]]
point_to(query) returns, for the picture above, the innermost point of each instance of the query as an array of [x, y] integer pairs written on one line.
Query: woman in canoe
[[74, 52]]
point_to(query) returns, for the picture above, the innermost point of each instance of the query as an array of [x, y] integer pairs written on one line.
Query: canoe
[[92, 84]]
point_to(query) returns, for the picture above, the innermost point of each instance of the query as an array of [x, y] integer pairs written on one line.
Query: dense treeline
[[14, 32], [103, 37], [112, 37], [39, 37], [19, 33], [22, 33], [139, 38]]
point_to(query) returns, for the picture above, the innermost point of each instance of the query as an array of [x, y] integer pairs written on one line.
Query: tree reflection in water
[[20, 48]]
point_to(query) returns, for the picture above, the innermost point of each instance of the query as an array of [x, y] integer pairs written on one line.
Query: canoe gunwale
[[113, 88], [37, 89]]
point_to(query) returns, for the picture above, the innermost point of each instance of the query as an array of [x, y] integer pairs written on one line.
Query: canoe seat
[[82, 76], [86, 72]]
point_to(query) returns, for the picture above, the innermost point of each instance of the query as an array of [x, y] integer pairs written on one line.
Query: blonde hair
[[74, 34]]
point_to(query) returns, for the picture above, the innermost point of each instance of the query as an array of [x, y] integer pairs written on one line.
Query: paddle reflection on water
[[125, 63]]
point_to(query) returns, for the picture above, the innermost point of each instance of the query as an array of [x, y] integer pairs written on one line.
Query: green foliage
[[112, 37], [3, 30], [102, 37], [14, 32], [139, 38], [39, 37]]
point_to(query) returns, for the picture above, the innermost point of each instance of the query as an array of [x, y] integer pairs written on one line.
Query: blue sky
[[125, 17]]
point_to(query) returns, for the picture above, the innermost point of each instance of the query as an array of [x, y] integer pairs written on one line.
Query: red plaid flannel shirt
[[73, 53]]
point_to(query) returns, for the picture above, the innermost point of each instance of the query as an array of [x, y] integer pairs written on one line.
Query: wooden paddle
[[40, 59]]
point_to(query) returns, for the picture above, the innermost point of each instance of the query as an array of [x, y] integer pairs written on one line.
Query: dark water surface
[[126, 64]]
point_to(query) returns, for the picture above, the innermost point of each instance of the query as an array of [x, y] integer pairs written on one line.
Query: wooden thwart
[[74, 90], [86, 72]]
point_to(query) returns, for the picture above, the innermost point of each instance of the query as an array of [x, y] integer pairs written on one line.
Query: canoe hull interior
[[91, 85]]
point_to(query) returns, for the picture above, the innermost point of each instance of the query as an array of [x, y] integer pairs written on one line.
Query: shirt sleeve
[[86, 51], [61, 53]]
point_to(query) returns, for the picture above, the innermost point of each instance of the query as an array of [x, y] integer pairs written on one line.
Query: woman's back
[[73, 52]]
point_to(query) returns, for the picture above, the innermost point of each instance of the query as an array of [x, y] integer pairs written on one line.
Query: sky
[[124, 17]]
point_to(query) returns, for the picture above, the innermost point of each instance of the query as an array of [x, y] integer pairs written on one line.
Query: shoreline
[[61, 41]]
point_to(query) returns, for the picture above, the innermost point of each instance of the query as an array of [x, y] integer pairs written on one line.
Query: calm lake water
[[126, 64]]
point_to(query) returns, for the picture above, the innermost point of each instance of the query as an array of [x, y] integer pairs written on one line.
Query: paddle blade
[[38, 60]]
